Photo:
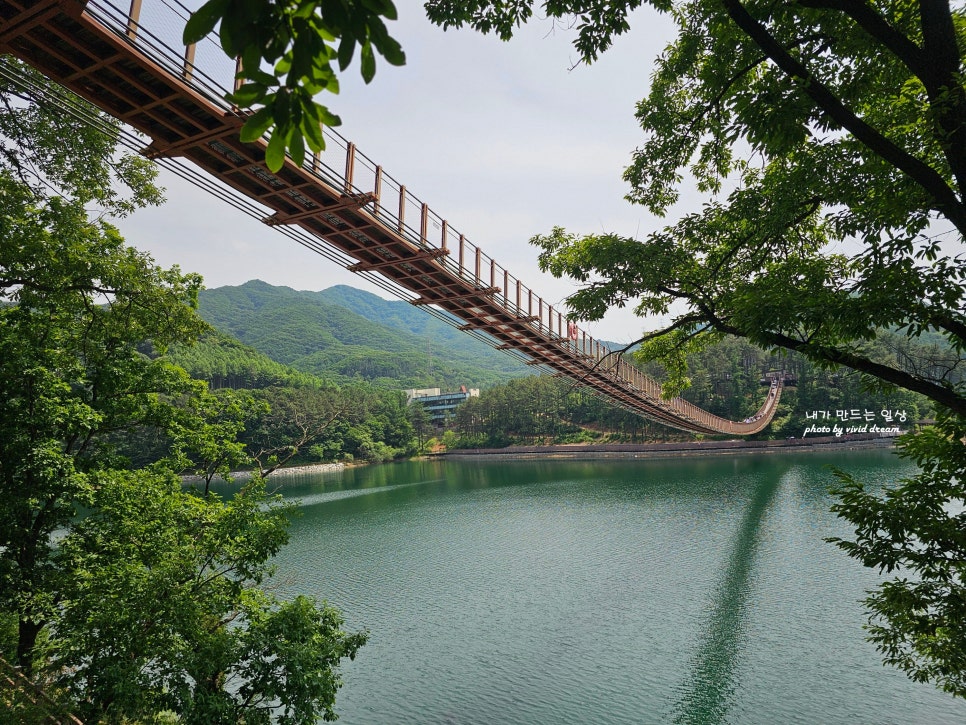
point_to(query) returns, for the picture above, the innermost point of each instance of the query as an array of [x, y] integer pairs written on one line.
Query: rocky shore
[[282, 472]]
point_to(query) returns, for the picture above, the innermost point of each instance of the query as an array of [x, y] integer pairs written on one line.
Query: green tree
[[918, 622], [293, 420], [215, 648], [203, 434], [78, 303], [830, 139], [420, 421], [151, 600]]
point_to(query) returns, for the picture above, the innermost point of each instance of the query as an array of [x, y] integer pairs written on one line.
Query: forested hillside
[[225, 362], [345, 334], [726, 379], [400, 316], [291, 416]]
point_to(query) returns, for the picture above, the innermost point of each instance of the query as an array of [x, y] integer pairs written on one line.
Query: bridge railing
[[156, 26], [396, 206]]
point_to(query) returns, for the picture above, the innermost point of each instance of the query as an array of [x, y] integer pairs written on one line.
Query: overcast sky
[[501, 139]]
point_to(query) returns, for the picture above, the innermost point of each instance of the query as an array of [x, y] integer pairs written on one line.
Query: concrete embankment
[[671, 450]]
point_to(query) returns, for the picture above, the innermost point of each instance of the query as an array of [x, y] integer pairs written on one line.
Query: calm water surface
[[693, 591]]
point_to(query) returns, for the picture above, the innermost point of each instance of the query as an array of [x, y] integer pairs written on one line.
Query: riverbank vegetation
[[294, 417]]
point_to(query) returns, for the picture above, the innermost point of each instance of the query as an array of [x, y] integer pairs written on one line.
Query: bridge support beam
[[481, 292], [426, 254], [351, 201], [157, 150]]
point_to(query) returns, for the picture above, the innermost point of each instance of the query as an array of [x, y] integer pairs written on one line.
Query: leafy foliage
[[71, 375], [279, 415], [132, 595], [918, 620], [215, 648], [42, 148], [287, 51]]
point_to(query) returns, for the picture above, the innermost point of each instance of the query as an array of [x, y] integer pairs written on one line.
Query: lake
[[692, 590]]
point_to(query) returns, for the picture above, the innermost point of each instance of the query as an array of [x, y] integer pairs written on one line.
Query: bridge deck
[[340, 204]]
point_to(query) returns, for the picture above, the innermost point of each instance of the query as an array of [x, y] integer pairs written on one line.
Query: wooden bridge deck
[[340, 204]]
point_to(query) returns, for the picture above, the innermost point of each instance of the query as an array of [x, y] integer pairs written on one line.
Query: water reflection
[[709, 692]]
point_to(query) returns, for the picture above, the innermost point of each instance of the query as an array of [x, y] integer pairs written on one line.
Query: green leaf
[[346, 49], [275, 152], [203, 21], [233, 34], [256, 125], [305, 9], [251, 58], [376, 7], [368, 63], [281, 107], [296, 146], [248, 95], [302, 60], [391, 51], [329, 119], [260, 76], [313, 133]]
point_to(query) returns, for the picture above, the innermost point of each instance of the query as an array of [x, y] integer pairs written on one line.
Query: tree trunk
[[27, 633]]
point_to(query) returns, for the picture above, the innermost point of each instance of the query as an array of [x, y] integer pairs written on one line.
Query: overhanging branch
[[945, 198]]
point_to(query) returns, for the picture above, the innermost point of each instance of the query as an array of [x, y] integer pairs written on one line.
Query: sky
[[504, 140]]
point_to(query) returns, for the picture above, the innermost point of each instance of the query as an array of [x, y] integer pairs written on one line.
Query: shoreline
[[601, 451], [671, 450]]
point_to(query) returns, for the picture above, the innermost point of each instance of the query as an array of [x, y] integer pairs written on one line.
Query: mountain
[[401, 316], [343, 333]]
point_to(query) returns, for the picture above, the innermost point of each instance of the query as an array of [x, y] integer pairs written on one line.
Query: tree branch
[[946, 321], [937, 64], [942, 394], [910, 54], [943, 81], [945, 198]]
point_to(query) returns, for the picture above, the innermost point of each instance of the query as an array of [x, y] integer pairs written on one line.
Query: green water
[[692, 591]]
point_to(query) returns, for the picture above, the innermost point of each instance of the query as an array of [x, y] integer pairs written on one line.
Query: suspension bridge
[[126, 58]]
